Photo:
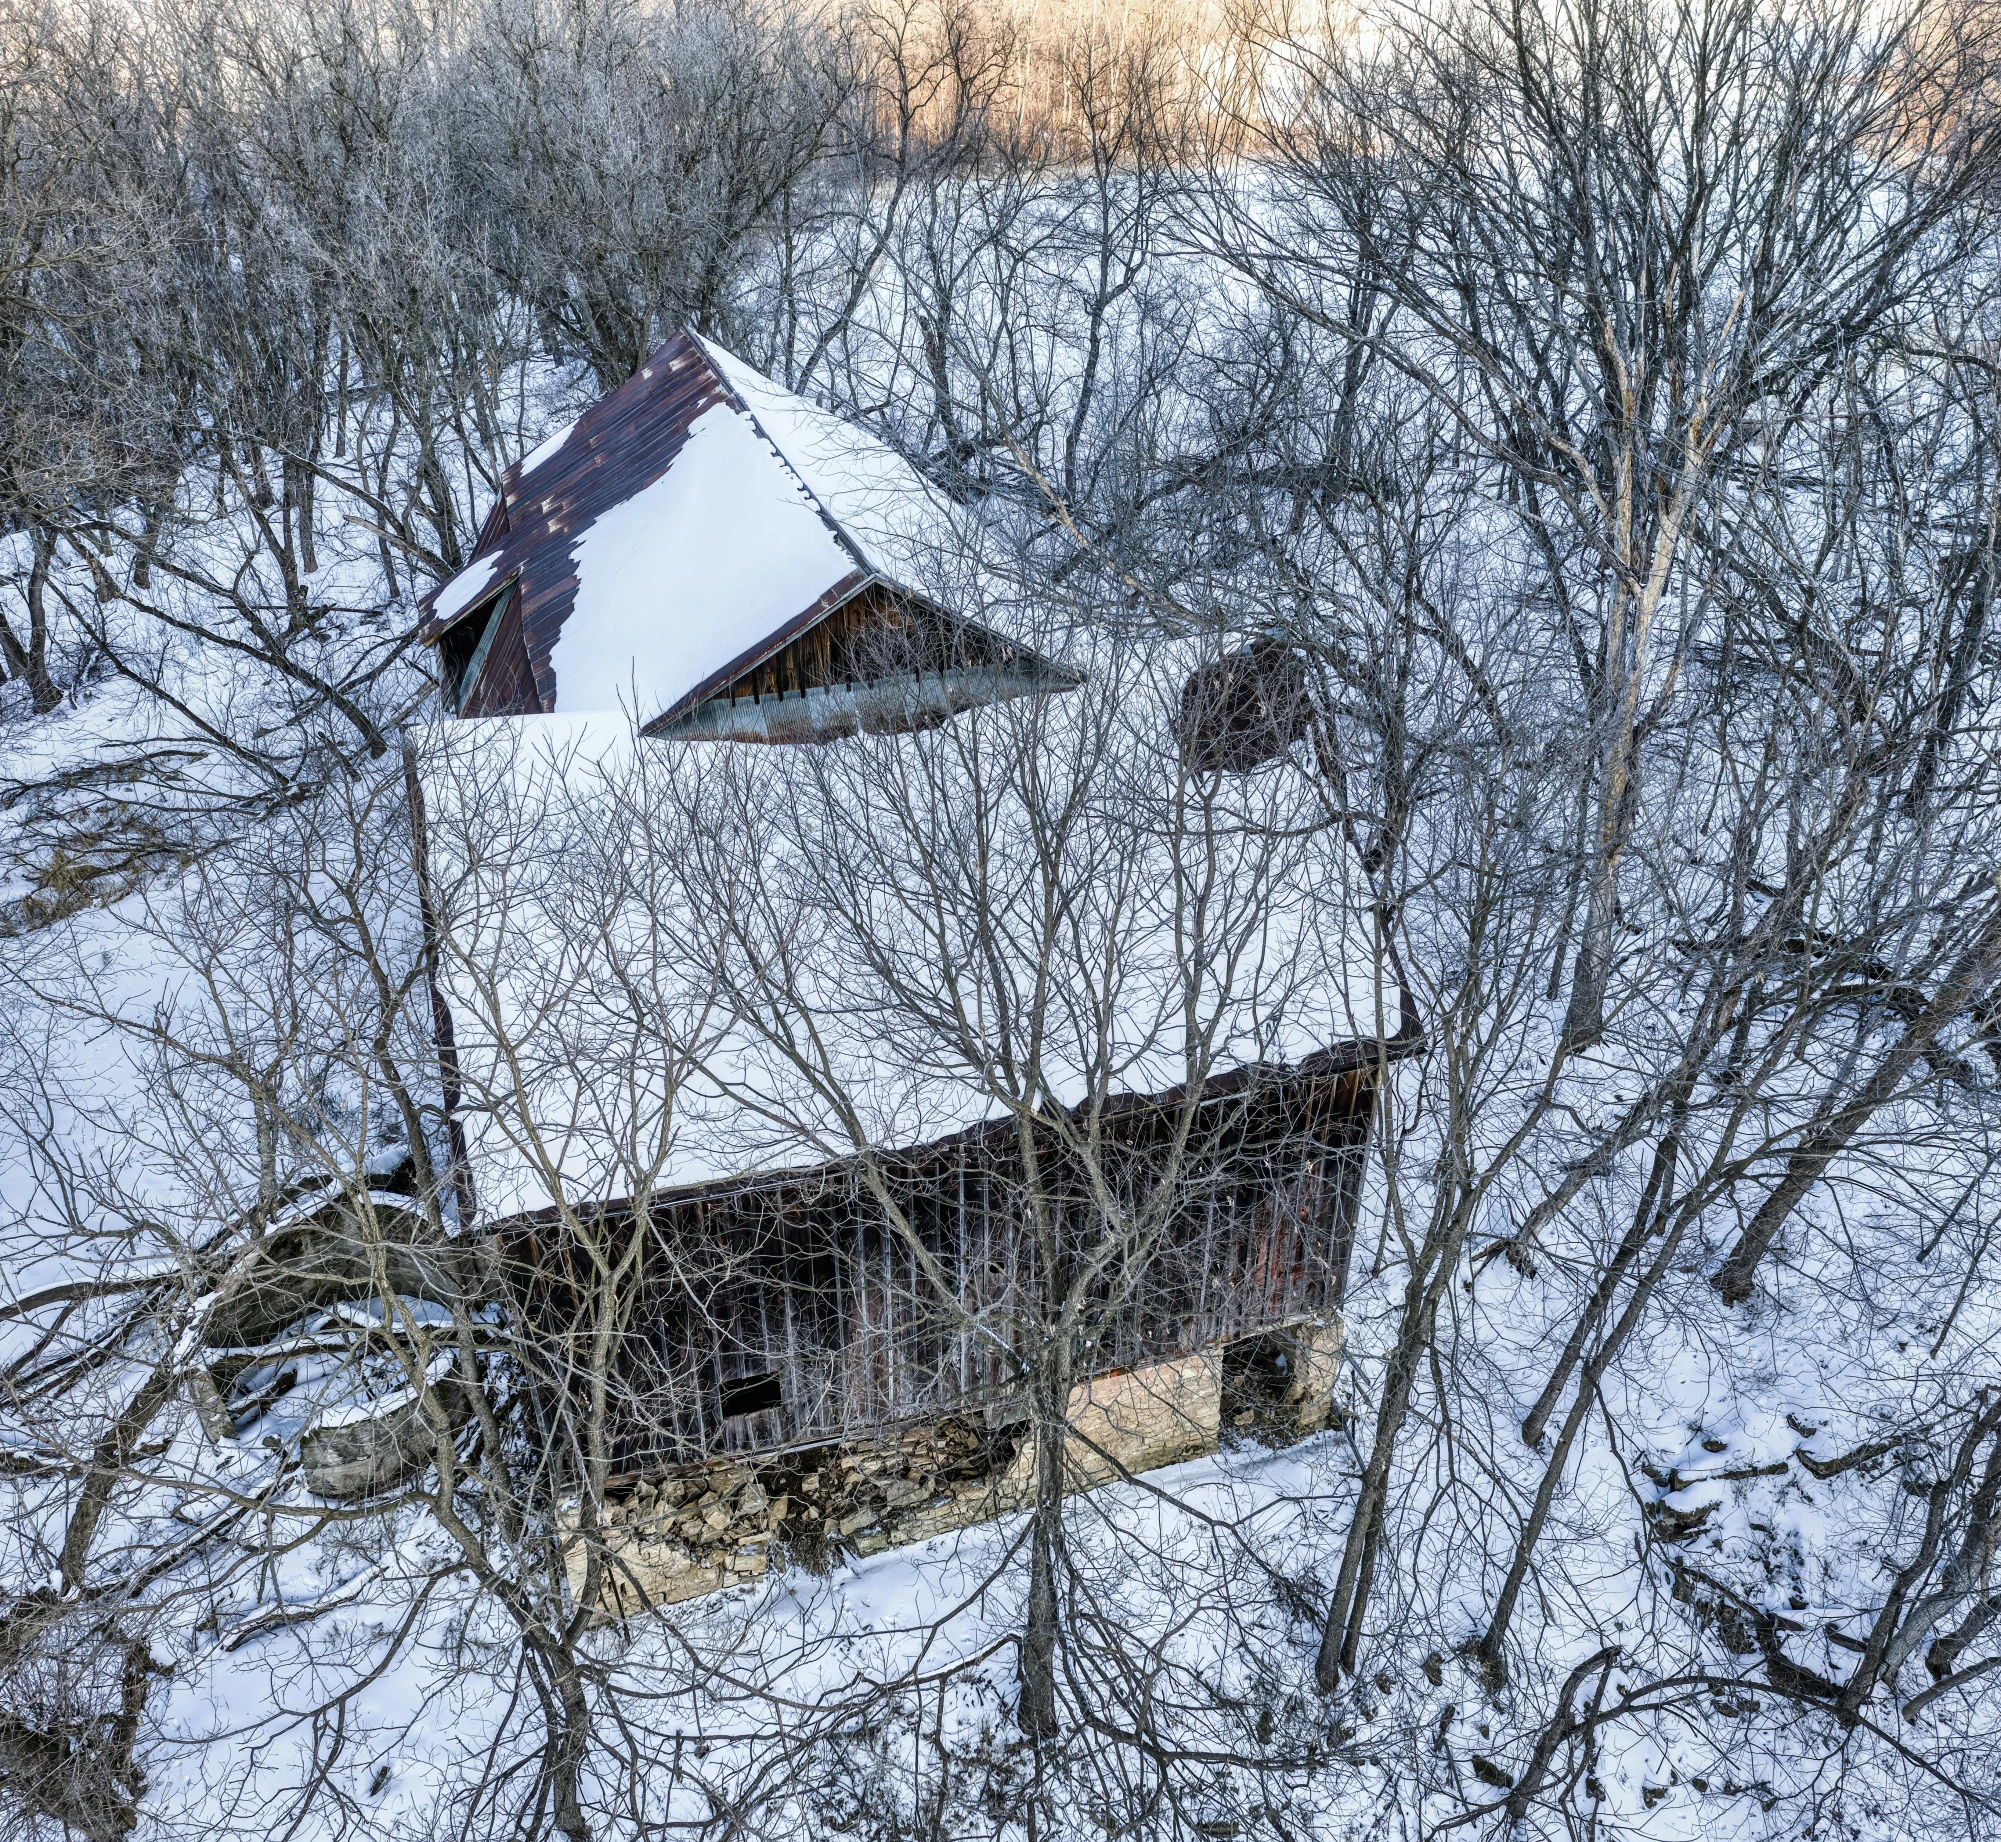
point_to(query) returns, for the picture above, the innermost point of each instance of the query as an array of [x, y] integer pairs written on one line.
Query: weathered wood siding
[[807, 1276]]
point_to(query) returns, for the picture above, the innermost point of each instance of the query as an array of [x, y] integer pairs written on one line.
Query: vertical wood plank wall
[[807, 1277]]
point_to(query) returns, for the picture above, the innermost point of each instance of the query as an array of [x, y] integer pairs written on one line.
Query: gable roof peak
[[683, 522]]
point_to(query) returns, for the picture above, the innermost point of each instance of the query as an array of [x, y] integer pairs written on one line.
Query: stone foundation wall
[[1135, 1420], [714, 1525], [728, 1521], [1315, 1350]]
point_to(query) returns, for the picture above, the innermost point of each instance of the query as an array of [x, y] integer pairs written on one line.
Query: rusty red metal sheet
[[618, 447]]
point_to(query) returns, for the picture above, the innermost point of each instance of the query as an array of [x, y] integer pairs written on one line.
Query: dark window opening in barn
[[462, 653], [753, 1394], [880, 664], [1245, 709]]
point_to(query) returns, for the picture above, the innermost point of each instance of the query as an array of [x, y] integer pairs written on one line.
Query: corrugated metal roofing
[[642, 583]]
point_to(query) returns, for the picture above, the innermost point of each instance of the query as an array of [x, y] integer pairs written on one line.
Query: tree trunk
[[1837, 1126], [1584, 1016], [567, 1755], [1580, 1407], [32, 660], [1646, 1221], [1050, 1392], [109, 1459], [1340, 1638]]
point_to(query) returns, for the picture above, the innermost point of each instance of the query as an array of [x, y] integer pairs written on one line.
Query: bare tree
[[1626, 248]]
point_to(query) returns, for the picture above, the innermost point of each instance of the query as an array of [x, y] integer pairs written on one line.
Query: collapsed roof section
[[719, 558]]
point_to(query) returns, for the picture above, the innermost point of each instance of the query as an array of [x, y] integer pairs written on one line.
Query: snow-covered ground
[[333, 1670]]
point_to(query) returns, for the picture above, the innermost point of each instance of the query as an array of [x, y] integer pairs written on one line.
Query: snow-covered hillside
[[1594, 406]]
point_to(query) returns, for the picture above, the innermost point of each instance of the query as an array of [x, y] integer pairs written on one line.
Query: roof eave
[[808, 618]]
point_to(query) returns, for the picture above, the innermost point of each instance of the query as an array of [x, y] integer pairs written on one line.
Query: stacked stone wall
[[706, 1527]]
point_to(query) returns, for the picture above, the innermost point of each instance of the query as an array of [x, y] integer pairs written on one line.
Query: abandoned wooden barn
[[711, 560]]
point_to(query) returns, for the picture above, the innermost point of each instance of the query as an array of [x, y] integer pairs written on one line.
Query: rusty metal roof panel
[[683, 524]]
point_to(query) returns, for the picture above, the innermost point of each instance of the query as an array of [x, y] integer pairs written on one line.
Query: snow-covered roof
[[686, 526], [588, 882]]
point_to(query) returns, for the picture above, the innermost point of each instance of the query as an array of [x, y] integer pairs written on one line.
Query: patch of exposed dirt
[[90, 835]]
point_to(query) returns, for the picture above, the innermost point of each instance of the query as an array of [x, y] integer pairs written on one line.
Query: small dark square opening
[[752, 1394], [1258, 1374]]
